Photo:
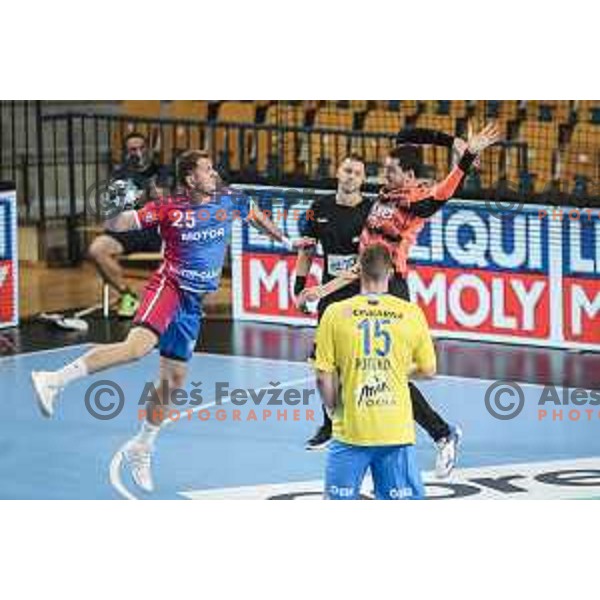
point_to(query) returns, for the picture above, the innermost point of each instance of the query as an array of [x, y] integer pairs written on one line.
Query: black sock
[[425, 416], [326, 419]]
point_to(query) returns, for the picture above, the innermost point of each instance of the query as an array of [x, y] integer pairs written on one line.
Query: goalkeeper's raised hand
[[488, 136]]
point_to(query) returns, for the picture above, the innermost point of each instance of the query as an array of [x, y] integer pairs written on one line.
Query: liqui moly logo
[[581, 278], [471, 272], [463, 237]]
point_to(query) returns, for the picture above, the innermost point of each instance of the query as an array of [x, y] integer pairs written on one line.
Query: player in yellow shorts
[[367, 348]]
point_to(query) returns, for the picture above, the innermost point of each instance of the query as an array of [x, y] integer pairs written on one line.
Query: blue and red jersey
[[195, 236]]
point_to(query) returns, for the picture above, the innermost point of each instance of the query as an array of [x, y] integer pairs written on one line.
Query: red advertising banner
[[526, 277]]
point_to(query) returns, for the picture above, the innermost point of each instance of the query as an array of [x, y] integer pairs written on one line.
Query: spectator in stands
[[136, 181]]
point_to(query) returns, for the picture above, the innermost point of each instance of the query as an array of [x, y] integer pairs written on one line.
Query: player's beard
[[197, 192], [137, 163]]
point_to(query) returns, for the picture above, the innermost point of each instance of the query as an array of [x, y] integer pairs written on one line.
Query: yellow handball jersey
[[372, 342]]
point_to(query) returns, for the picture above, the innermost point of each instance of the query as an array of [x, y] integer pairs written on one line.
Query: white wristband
[[289, 245]]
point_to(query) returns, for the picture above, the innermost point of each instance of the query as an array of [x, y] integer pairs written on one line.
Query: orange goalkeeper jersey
[[396, 216]]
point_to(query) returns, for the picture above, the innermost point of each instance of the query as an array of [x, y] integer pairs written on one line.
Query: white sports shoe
[[47, 391], [447, 450], [138, 456]]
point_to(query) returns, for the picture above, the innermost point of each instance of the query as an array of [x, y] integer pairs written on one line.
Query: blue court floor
[[243, 452]]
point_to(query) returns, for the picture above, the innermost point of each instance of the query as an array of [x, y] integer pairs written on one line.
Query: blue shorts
[[173, 314], [393, 468], [179, 340]]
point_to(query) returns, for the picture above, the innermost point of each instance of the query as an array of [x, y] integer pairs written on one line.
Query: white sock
[[147, 434], [73, 371]]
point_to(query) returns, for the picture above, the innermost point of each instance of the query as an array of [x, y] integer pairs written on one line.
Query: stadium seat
[[334, 119], [233, 146], [498, 110], [540, 163], [458, 108], [513, 165], [371, 148], [581, 157], [548, 110], [285, 115], [539, 134], [290, 147], [585, 135], [437, 122], [407, 108], [579, 161], [354, 105], [429, 106], [438, 158], [358, 105], [236, 112], [187, 109], [453, 108], [500, 162], [542, 148], [562, 110], [141, 108], [277, 150], [325, 152], [311, 104], [183, 136], [588, 111], [383, 121]]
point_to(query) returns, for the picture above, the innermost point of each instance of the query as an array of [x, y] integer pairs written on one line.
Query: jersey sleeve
[[325, 342], [148, 216], [239, 202], [445, 189], [424, 350]]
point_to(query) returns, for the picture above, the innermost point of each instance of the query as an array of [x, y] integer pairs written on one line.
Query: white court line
[[48, 351], [114, 471]]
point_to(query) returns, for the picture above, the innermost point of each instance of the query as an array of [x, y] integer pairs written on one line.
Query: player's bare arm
[[315, 293], [262, 223], [328, 386]]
